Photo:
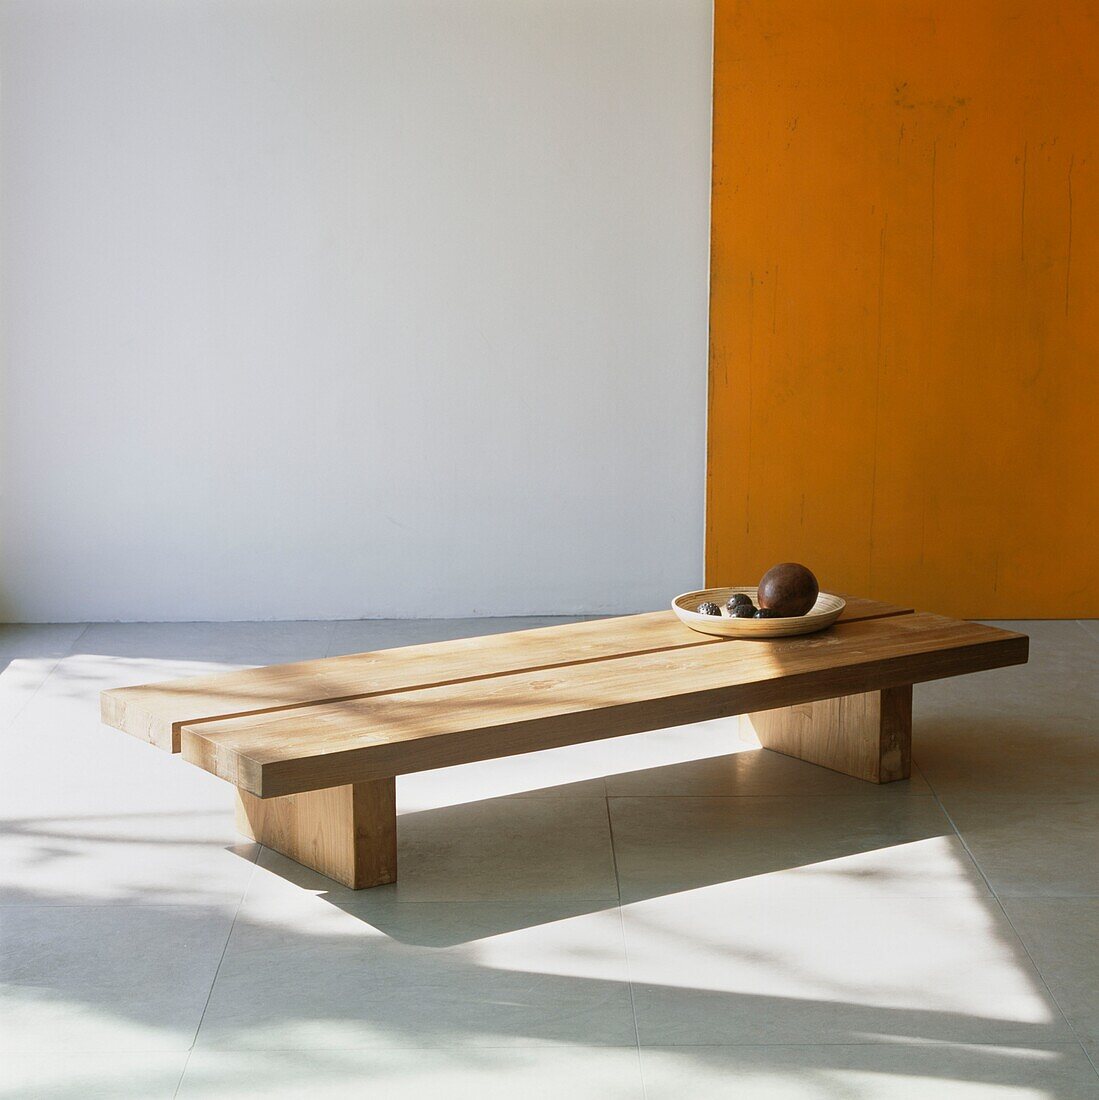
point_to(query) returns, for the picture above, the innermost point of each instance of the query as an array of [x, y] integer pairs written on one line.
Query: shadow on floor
[[422, 981], [524, 850]]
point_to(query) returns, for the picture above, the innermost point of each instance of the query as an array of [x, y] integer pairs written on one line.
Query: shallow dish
[[825, 612]]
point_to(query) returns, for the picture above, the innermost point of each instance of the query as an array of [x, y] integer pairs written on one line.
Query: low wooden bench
[[313, 748]]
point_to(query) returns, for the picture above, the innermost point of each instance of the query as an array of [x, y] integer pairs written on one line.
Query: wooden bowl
[[825, 612]]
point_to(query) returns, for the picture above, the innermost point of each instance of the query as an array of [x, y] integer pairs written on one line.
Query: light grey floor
[[678, 914]]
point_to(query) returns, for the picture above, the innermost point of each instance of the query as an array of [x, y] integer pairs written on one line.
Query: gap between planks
[[886, 612]]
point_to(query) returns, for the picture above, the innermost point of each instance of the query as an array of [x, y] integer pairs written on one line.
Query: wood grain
[[156, 712], [348, 833], [868, 735], [432, 727]]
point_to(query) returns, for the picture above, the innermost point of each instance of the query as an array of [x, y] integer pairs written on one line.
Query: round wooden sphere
[[789, 589]]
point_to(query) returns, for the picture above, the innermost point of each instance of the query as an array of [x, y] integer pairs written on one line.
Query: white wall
[[319, 308]]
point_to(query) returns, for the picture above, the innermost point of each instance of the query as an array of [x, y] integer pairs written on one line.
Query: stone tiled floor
[[677, 914]]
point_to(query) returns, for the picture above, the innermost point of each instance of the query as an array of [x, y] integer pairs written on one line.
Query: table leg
[[868, 736], [347, 833]]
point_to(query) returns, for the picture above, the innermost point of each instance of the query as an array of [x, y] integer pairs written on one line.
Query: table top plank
[[157, 712], [514, 712]]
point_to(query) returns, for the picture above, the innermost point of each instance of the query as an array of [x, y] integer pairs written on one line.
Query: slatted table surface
[[317, 724], [157, 712]]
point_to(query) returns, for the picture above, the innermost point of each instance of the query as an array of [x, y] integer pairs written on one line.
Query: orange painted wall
[[905, 300]]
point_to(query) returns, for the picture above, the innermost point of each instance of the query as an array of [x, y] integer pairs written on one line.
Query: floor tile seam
[[1025, 1044], [175, 905], [593, 797], [552, 1044], [75, 641], [183, 1071], [625, 947], [641, 1074], [362, 909], [121, 905], [633, 1002], [1035, 803], [545, 1044], [799, 896], [34, 1051], [10, 723], [614, 854], [1091, 1061], [629, 975], [1041, 974], [1011, 924], [1020, 1043], [961, 839], [331, 638], [1007, 895], [606, 903], [626, 957], [217, 970], [791, 797]]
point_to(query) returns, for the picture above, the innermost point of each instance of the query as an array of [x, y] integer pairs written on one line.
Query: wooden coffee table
[[313, 748]]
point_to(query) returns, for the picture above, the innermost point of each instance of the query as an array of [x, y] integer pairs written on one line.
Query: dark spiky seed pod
[[708, 608], [743, 611], [767, 613], [739, 598]]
